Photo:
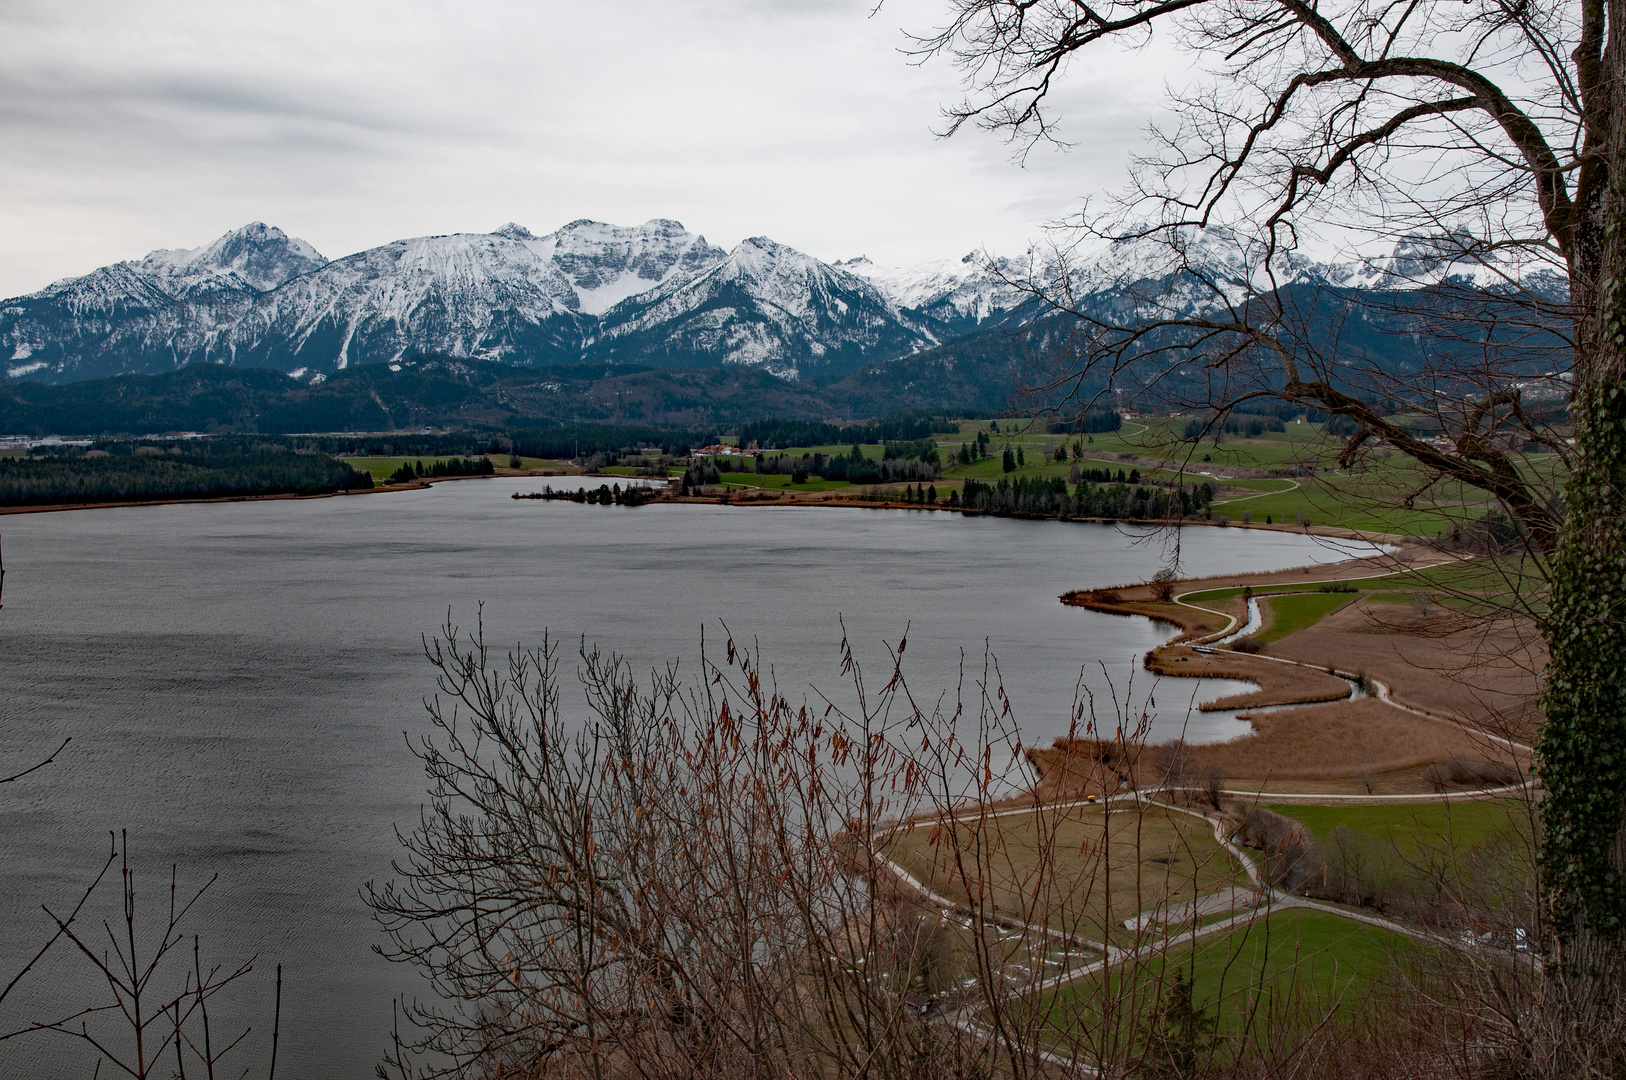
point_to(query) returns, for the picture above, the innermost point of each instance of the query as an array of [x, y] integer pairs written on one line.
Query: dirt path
[[1379, 746]]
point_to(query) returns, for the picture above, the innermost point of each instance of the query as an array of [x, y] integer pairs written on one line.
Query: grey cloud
[[167, 122]]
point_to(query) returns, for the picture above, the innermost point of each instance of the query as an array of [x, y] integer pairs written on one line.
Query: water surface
[[237, 679]]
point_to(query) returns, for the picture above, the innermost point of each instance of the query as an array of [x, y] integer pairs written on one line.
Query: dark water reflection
[[237, 679]]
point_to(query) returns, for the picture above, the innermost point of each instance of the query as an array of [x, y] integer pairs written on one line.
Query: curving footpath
[[1205, 645], [1272, 899]]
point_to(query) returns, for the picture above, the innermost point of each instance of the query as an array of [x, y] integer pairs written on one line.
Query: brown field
[[1483, 671], [1342, 740], [1453, 666], [1279, 684], [1342, 747], [1050, 863]]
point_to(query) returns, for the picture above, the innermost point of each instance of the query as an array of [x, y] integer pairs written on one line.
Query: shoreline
[[1305, 708], [1283, 687], [746, 498]]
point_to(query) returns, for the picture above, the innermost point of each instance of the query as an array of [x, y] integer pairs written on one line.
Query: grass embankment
[[779, 482], [1411, 826], [1295, 612], [1426, 857], [1081, 869], [1480, 586], [1307, 964]]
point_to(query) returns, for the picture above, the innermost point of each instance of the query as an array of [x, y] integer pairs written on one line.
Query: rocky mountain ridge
[[654, 294]]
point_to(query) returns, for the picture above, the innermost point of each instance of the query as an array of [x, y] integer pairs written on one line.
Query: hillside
[[974, 374]]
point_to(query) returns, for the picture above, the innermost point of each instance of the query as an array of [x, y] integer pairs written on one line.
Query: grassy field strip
[[1181, 597], [1413, 829], [1296, 611], [1105, 948], [1292, 485]]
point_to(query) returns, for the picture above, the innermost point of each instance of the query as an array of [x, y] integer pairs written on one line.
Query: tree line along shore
[[1261, 473]]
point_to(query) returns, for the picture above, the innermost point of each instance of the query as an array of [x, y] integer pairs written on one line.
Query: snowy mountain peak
[[761, 260], [257, 256], [961, 293], [609, 263], [653, 294]]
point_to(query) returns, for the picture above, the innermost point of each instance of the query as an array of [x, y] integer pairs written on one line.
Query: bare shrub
[[157, 992], [685, 881], [1290, 855], [1459, 771]]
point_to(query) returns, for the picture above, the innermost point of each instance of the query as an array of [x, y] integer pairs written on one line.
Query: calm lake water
[[237, 679]]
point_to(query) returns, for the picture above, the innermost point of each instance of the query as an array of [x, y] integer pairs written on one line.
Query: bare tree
[[684, 878], [1491, 135], [680, 883]]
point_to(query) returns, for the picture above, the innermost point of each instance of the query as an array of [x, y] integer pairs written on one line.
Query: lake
[[237, 679]]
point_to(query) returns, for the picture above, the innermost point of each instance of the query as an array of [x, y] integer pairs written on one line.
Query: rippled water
[[237, 679]]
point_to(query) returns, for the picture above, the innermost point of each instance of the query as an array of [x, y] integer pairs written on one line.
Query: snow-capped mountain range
[[653, 294]]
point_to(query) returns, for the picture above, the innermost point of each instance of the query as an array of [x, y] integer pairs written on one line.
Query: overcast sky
[[129, 125]]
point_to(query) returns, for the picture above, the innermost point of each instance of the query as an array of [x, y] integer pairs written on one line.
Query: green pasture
[[1299, 610], [1311, 963], [1490, 577], [631, 470], [1480, 851], [1211, 595], [780, 481], [1479, 586], [1370, 499], [382, 468], [1411, 828]]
